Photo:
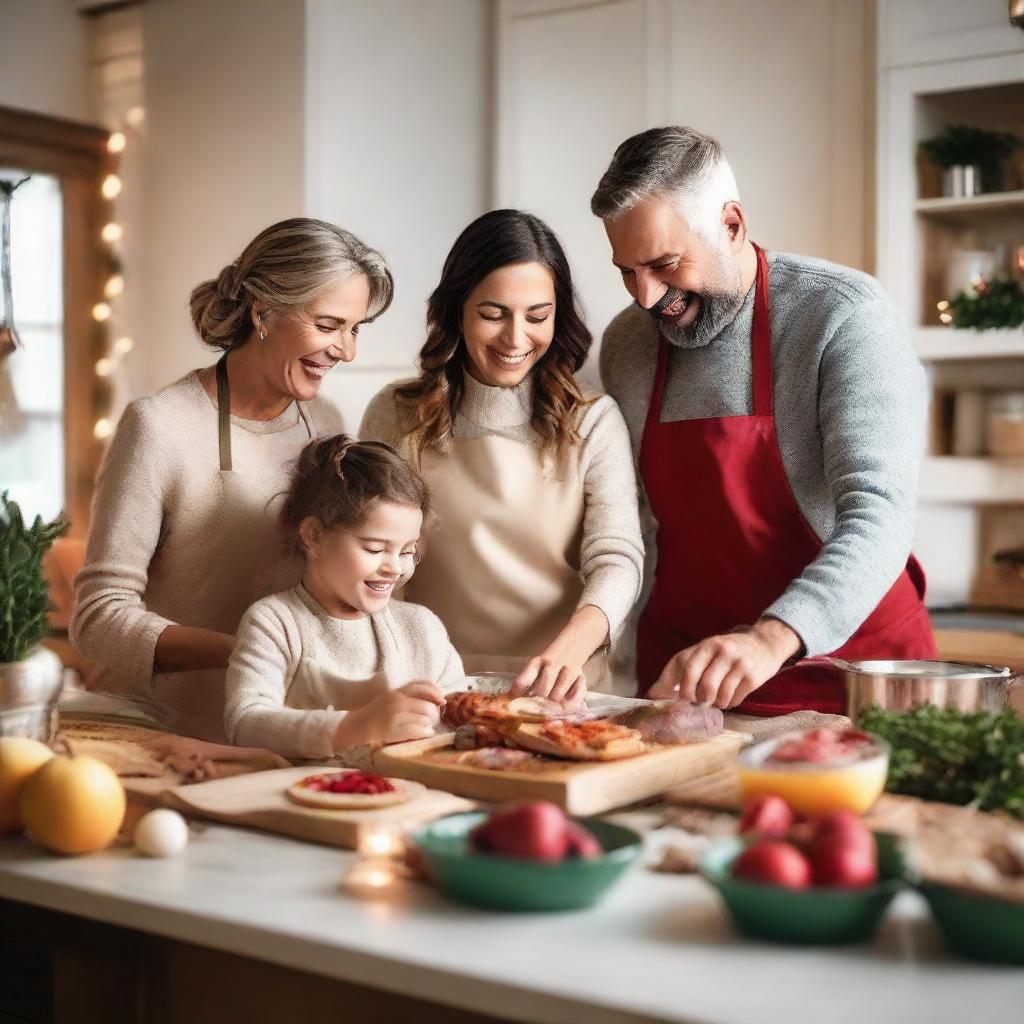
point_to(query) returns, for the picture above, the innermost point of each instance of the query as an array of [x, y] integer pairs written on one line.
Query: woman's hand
[[557, 672], [724, 670], [409, 713]]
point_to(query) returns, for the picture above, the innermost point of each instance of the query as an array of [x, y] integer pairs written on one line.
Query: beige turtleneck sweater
[[176, 541], [611, 549], [296, 670]]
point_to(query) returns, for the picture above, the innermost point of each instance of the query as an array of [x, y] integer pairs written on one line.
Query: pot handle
[[826, 660]]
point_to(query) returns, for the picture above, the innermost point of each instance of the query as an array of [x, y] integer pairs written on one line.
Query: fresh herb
[[954, 756], [989, 305], [23, 597]]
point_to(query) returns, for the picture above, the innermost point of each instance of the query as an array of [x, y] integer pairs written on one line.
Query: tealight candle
[[381, 842], [370, 876]]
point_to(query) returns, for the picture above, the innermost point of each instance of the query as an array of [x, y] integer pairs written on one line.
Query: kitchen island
[[264, 926]]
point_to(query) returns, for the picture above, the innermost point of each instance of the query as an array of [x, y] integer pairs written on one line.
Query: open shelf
[[992, 202], [934, 344], [962, 481]]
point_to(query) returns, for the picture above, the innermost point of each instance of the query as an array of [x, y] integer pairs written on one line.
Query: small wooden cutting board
[[578, 787], [258, 801]]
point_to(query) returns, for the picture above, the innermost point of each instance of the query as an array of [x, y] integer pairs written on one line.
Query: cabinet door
[[572, 85], [923, 31]]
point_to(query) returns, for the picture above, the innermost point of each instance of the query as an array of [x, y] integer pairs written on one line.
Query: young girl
[[331, 662]]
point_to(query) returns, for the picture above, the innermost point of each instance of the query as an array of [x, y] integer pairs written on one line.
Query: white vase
[[29, 690], [961, 181]]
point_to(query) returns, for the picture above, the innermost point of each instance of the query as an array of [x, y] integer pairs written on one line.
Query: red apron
[[731, 538]]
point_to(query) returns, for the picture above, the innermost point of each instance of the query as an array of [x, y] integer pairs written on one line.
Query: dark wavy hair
[[498, 239]]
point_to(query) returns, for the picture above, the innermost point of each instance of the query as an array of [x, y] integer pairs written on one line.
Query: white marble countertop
[[658, 949]]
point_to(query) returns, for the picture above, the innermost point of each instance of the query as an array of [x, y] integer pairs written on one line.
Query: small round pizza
[[580, 741], [349, 791]]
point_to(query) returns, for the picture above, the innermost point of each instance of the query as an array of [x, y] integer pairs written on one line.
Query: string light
[[103, 429], [111, 233], [116, 142], [111, 187], [114, 286], [135, 116], [123, 346], [101, 311], [104, 367]]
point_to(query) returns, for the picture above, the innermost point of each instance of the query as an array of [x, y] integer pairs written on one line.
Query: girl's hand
[[409, 713]]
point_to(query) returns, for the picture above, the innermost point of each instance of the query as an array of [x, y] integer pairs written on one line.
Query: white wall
[[223, 154], [397, 144], [44, 59]]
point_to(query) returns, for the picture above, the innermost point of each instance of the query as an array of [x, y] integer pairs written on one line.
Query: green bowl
[[505, 883], [811, 917], [978, 926]]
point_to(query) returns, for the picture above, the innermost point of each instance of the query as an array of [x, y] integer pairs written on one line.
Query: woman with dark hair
[[537, 558]]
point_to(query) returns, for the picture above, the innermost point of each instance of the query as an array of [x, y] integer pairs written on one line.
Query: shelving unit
[[943, 64]]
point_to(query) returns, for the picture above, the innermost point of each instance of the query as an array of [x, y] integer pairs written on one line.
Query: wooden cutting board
[[258, 801], [579, 787]]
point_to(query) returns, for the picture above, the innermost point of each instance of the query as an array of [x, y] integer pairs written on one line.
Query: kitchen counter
[[658, 949]]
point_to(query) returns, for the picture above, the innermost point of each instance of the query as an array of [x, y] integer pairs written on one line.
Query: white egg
[[161, 833]]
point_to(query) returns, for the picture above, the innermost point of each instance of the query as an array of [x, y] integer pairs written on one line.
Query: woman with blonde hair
[[537, 557], [184, 534]]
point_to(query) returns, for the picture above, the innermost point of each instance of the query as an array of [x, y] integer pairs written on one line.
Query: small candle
[[381, 842], [371, 876]]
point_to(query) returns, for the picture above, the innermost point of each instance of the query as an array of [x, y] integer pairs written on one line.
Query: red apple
[[529, 831], [845, 826], [838, 863], [766, 815], [581, 842], [775, 863]]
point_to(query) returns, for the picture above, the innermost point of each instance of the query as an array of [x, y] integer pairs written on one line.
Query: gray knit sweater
[[850, 410]]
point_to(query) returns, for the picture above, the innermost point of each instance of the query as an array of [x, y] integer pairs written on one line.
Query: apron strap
[[761, 339], [223, 413]]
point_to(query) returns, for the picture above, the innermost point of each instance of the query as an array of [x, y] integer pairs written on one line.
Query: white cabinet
[[931, 31], [945, 62]]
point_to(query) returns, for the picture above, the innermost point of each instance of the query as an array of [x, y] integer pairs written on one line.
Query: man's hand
[[724, 670]]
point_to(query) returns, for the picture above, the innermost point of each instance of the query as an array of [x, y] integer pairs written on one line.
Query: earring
[[263, 335]]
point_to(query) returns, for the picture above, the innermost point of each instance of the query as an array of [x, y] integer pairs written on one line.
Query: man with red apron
[[741, 585]]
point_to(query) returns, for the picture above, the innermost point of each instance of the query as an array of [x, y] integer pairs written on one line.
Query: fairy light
[[111, 234], [381, 842]]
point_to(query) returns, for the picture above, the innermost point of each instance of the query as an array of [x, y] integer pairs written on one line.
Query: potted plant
[[30, 675], [970, 157]]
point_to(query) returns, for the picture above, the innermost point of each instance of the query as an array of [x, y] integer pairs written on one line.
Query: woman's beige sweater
[[611, 554], [296, 670], [174, 540]]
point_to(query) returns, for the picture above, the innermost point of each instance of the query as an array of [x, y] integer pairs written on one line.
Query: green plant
[[958, 757], [963, 144], [991, 304], [23, 598]]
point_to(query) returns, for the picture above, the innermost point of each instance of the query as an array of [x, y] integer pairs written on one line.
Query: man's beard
[[720, 301]]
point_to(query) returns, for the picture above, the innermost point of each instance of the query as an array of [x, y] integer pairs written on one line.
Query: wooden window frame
[[77, 155]]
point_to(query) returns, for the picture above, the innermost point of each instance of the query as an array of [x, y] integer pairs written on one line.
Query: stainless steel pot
[[902, 685], [29, 691]]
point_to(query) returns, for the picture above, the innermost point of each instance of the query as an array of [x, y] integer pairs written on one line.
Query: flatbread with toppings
[[580, 741], [350, 790]]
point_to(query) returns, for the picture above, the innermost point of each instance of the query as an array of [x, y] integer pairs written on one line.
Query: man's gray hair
[[678, 163]]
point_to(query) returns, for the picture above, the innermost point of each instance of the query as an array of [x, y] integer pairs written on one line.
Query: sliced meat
[[678, 722]]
